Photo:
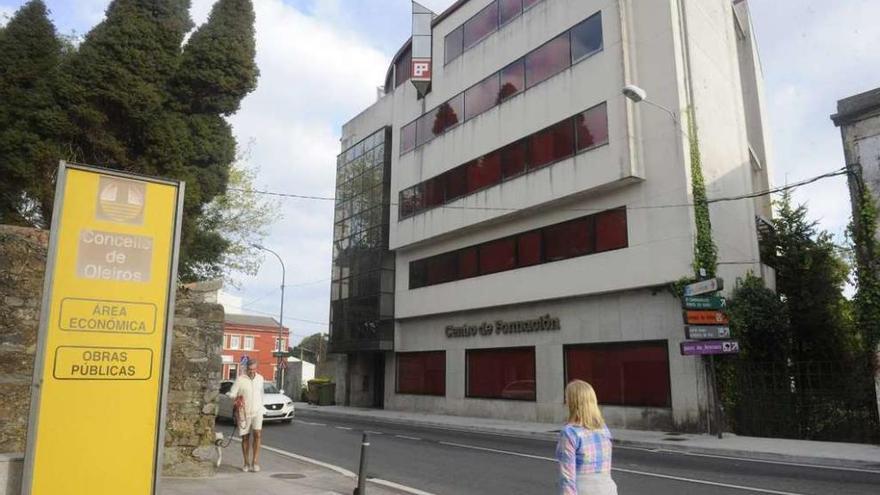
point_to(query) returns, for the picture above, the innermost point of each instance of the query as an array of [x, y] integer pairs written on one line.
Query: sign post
[[99, 390], [706, 323]]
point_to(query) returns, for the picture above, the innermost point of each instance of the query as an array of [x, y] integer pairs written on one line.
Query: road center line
[[408, 438], [373, 432], [622, 470], [310, 423], [343, 428]]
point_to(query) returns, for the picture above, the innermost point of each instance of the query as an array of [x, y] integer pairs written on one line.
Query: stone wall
[[193, 382], [22, 265], [195, 357]]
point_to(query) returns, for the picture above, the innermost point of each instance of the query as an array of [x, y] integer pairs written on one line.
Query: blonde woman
[[584, 447]]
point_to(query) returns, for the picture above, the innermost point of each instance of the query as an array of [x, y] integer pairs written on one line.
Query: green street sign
[[704, 302]]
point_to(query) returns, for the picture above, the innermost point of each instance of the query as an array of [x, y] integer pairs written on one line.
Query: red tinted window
[[513, 159], [509, 9], [501, 373], [569, 239], [441, 269], [418, 274], [467, 263], [626, 374], [426, 125], [513, 80], [407, 137], [480, 25], [547, 61], [456, 183], [551, 145], [434, 192], [481, 97], [592, 127], [422, 373], [498, 256], [529, 3], [611, 230], [484, 172], [403, 68], [454, 111], [529, 248], [453, 44]]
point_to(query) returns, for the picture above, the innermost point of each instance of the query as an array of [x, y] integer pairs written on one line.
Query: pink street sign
[[707, 347]]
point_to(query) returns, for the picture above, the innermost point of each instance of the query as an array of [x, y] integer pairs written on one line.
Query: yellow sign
[[97, 405]]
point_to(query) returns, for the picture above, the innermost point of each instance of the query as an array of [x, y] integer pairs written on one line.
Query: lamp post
[[278, 370]]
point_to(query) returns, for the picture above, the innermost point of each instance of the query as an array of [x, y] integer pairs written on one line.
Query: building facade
[[255, 337], [538, 217]]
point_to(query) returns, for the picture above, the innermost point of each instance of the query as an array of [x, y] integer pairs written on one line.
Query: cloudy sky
[[321, 60]]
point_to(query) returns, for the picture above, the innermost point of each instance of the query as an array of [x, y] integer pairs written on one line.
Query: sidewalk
[[830, 454], [280, 474]]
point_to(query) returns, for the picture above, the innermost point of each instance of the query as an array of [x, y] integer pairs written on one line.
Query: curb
[[735, 454]]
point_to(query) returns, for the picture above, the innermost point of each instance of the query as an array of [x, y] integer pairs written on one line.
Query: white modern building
[[520, 224]]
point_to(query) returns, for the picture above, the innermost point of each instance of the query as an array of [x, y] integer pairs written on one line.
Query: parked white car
[[278, 407]]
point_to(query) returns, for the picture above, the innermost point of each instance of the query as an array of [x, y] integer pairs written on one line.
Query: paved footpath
[[280, 474]]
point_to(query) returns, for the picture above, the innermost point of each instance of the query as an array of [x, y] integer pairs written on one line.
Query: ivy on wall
[[866, 304], [705, 251]]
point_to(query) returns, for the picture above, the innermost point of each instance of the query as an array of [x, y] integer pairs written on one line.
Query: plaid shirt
[[581, 451]]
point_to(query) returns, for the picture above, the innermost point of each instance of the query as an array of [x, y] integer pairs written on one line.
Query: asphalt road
[[460, 463]]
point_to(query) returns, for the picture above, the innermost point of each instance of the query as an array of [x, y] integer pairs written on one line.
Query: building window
[[528, 3], [403, 68], [234, 341], [453, 45], [587, 130], [513, 80], [539, 65], [604, 231], [498, 256], [623, 374], [483, 172], [551, 145], [280, 344], [481, 97], [591, 127], [501, 373], [508, 10], [248, 343], [407, 137], [548, 60], [481, 25], [421, 373], [586, 38], [232, 372]]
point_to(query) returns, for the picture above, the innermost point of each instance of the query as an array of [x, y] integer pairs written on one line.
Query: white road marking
[[310, 423], [408, 438], [764, 461], [622, 470], [373, 432], [346, 472], [342, 428]]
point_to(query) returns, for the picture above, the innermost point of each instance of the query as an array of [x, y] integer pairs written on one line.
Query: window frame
[[397, 355], [245, 340], [237, 340], [467, 374], [618, 345]]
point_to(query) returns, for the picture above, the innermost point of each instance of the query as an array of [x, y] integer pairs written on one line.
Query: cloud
[[814, 55]]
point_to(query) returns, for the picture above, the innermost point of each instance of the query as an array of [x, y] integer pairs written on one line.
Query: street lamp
[[637, 94], [278, 372]]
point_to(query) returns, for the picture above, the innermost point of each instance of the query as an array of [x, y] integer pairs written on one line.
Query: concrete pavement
[[281, 473], [861, 456]]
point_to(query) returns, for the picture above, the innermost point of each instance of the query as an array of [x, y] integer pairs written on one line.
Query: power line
[[776, 190]]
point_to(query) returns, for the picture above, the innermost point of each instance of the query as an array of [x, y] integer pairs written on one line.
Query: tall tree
[[31, 120], [313, 348], [810, 277]]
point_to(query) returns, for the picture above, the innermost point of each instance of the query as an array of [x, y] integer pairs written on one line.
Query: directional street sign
[[707, 332], [709, 347], [704, 302], [705, 318], [704, 287], [98, 398]]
